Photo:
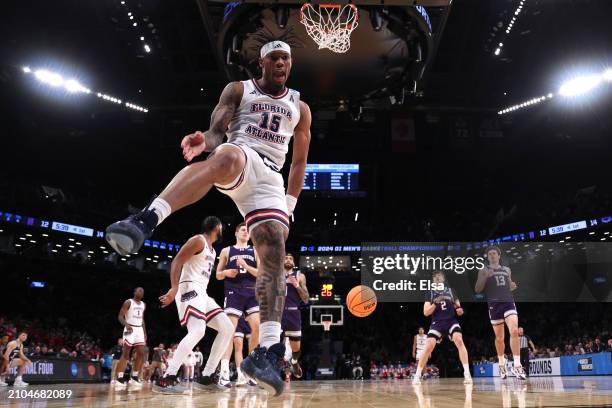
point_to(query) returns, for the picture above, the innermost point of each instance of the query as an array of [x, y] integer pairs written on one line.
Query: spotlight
[[497, 51], [607, 75], [147, 48], [27, 70], [580, 85], [49, 77]]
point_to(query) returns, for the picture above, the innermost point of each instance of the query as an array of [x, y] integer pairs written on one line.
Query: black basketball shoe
[[264, 366], [127, 236], [169, 385], [211, 383]]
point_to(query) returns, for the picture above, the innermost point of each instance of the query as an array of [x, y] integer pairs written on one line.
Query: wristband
[[291, 202]]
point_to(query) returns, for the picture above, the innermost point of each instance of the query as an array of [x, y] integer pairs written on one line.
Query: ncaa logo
[[74, 369]]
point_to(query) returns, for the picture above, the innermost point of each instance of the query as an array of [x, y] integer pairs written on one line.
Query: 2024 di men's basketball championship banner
[[59, 370]]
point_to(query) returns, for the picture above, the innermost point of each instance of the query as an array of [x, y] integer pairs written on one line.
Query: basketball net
[[326, 325], [330, 25]]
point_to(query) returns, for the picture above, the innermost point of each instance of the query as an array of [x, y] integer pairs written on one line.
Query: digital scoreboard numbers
[[326, 177], [327, 290]]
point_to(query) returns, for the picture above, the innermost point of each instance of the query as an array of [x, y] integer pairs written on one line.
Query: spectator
[[116, 353], [598, 347]]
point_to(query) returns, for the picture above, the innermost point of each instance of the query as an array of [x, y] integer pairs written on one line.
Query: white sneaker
[[135, 383], [503, 372], [241, 381], [3, 384], [20, 384], [468, 380], [519, 373], [416, 381], [113, 381]]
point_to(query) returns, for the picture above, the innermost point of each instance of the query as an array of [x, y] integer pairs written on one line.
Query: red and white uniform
[[191, 298], [262, 128], [134, 317]]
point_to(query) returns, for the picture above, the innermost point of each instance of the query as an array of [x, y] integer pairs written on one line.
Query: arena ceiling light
[[73, 86], [530, 102], [580, 85], [510, 25]]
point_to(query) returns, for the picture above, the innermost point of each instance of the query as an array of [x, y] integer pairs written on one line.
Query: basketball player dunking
[[496, 281], [292, 317], [418, 344], [189, 275], [443, 307], [260, 117], [14, 357], [238, 269], [131, 316]]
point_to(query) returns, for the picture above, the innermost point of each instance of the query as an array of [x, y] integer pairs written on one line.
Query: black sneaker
[[263, 365], [210, 383], [169, 385], [127, 236]]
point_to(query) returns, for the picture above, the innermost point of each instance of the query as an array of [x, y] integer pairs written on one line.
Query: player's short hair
[[210, 223], [242, 224], [494, 248]]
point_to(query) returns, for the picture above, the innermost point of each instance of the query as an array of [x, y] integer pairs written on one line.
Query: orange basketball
[[361, 301]]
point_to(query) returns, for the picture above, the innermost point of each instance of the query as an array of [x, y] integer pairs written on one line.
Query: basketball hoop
[[330, 25], [326, 325]]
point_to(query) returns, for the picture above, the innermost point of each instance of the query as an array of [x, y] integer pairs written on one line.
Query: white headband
[[274, 46]]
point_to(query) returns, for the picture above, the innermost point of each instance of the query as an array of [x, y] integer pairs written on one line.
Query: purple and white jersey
[[497, 287], [293, 298], [244, 279], [446, 309]]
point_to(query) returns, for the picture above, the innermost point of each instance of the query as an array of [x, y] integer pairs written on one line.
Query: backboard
[[319, 313]]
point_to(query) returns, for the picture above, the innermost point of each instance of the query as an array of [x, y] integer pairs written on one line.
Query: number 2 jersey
[[445, 310], [265, 122]]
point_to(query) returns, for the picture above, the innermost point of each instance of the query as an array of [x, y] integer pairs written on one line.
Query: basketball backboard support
[[320, 313], [424, 3]]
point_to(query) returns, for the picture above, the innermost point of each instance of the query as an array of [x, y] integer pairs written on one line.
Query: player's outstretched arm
[[301, 143], [302, 289], [195, 143], [194, 245]]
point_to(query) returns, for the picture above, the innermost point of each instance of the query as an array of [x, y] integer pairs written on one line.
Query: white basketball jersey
[[420, 341], [198, 267], [264, 122], [135, 313]]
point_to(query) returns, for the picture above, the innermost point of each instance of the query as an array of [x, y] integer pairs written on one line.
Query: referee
[[526, 344]]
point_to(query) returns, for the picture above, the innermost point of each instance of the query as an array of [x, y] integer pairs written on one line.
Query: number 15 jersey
[[265, 122]]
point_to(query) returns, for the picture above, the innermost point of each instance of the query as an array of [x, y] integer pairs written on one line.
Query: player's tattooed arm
[[483, 274], [271, 286], [302, 289], [301, 144], [223, 114], [122, 313]]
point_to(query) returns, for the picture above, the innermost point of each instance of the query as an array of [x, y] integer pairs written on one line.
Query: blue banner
[[587, 364]]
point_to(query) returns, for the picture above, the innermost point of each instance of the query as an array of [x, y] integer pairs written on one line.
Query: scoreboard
[[331, 177]]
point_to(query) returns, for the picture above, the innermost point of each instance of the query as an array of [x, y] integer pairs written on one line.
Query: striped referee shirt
[[524, 340]]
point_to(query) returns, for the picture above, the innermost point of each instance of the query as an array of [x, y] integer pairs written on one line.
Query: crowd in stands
[[50, 340]]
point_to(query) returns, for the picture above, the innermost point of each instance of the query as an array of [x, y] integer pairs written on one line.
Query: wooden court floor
[[535, 392]]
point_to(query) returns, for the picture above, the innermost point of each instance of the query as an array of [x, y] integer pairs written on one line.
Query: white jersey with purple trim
[[265, 122], [135, 313], [199, 267]]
